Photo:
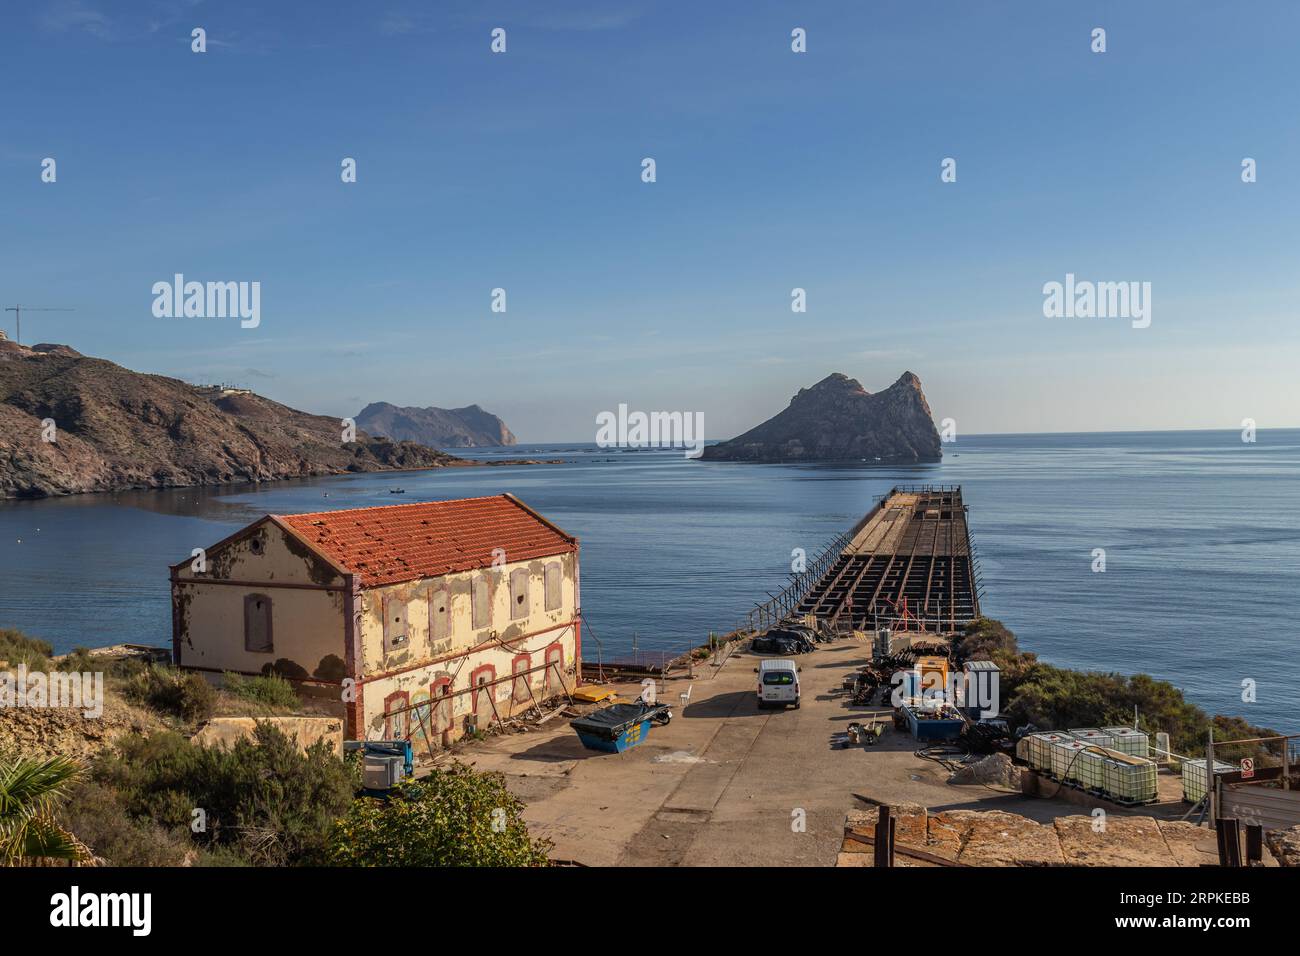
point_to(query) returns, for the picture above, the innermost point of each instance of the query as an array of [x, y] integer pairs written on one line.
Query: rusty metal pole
[[884, 846], [1254, 843], [1229, 841], [1210, 776]]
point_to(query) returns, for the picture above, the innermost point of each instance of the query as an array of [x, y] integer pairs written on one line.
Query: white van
[[778, 683]]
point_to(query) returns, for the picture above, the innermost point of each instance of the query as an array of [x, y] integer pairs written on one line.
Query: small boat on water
[[397, 491]]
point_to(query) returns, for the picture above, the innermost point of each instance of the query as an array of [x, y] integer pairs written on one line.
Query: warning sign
[[1247, 768]]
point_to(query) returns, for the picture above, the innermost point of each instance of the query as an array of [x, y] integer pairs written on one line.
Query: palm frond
[[31, 786], [47, 840], [30, 790]]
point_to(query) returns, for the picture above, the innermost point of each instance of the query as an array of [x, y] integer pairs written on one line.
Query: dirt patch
[[50, 732]]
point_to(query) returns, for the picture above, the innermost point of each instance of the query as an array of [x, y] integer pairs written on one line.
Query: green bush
[[264, 800], [269, 690], [97, 814], [81, 660], [183, 694], [1053, 698], [453, 817], [17, 648]]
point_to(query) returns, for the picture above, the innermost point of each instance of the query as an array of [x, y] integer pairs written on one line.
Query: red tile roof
[[395, 543]]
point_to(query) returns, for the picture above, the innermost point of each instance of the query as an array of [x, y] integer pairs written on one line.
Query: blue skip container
[[619, 727]]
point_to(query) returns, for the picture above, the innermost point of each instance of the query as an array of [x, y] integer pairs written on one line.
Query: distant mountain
[[117, 429], [467, 427], [837, 420]]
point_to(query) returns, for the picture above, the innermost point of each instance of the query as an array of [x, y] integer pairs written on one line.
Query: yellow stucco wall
[[307, 623], [446, 719], [422, 662], [420, 645]]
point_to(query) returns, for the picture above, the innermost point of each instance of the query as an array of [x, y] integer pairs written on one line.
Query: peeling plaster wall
[[446, 719], [307, 624], [415, 668], [420, 646], [284, 560]]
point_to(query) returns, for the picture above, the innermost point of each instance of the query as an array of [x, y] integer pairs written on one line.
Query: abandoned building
[[421, 620]]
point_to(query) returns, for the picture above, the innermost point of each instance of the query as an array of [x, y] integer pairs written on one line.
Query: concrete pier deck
[[724, 783], [909, 565]]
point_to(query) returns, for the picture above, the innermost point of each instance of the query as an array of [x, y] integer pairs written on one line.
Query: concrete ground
[[725, 784]]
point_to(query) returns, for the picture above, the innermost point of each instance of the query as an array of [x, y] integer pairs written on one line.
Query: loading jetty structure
[[909, 564]]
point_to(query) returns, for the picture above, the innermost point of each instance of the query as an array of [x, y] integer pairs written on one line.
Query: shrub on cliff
[[454, 817], [18, 648], [268, 690], [984, 639], [183, 694], [264, 800], [99, 817]]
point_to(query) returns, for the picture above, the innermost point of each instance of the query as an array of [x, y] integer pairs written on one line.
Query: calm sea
[[1201, 534]]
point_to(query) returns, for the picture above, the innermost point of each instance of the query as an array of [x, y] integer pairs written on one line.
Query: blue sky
[[775, 170]]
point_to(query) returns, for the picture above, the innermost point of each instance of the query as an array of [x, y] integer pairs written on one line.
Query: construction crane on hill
[[17, 310]]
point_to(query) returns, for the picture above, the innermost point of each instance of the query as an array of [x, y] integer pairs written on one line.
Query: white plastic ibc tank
[[1040, 748], [1090, 767], [1195, 781], [1128, 740], [1092, 735], [1065, 762], [1130, 779]]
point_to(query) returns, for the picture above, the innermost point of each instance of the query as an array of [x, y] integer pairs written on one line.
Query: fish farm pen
[[909, 565]]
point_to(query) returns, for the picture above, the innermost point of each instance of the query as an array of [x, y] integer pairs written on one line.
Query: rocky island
[[468, 427], [839, 420]]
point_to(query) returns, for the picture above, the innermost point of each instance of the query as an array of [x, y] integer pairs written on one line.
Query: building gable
[[265, 552]]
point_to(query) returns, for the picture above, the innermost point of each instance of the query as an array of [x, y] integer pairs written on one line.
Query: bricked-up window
[[519, 593], [554, 580], [442, 712], [257, 624], [521, 675], [439, 612], [397, 718], [395, 637], [555, 669], [479, 597], [480, 680]]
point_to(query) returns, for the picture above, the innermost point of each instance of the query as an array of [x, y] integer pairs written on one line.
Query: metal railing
[[786, 602]]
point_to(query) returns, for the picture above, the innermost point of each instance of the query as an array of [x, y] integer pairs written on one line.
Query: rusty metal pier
[[908, 564]]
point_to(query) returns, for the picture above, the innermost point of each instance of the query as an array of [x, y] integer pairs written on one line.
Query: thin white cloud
[[66, 16]]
